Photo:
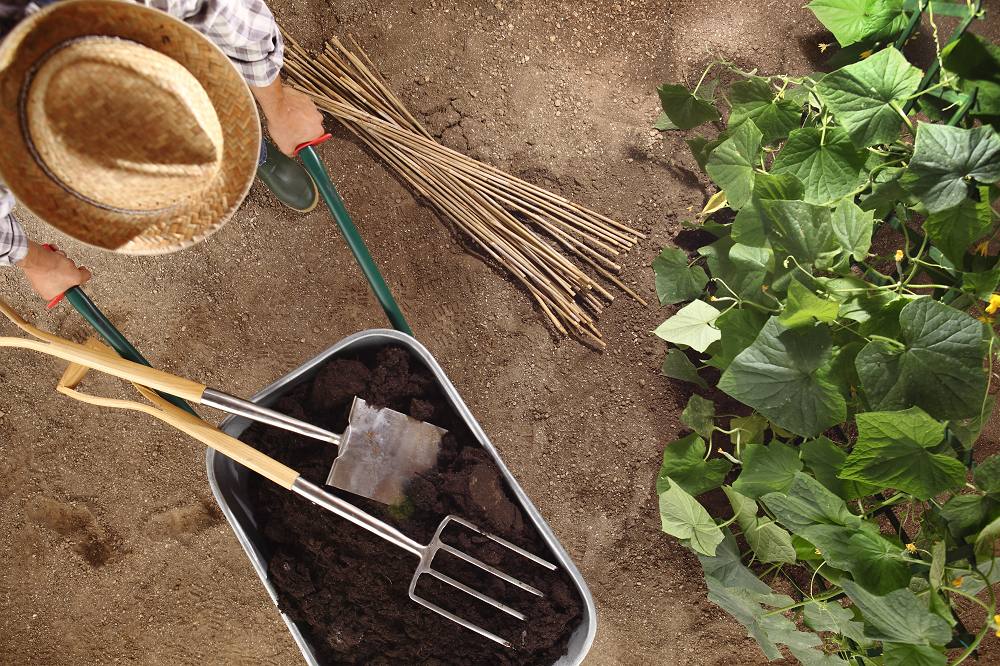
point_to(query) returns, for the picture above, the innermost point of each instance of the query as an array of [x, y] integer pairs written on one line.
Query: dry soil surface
[[113, 548]]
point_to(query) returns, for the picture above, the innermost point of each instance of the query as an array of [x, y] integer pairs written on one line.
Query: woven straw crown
[[123, 127]]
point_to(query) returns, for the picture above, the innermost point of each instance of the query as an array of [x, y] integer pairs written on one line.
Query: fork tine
[[454, 618], [507, 544], [478, 595], [487, 568]]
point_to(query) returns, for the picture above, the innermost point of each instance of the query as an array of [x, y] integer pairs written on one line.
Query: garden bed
[[349, 587]]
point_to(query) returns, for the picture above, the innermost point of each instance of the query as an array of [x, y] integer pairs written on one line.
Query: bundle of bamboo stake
[[501, 213]]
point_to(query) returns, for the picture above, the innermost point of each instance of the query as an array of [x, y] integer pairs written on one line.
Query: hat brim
[[191, 220]]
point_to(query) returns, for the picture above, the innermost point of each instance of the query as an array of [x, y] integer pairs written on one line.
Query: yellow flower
[[994, 304], [824, 47], [957, 582], [983, 247], [720, 450], [910, 547], [713, 298], [817, 552], [996, 618], [987, 320], [866, 54], [899, 255], [763, 287]]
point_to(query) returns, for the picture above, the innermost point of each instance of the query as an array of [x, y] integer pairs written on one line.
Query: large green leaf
[[737, 268], [829, 165], [684, 109], [831, 616], [946, 158], [810, 657], [740, 327], [987, 475], [767, 469], [899, 617], [675, 280], [803, 307], [746, 611], [826, 460], [727, 568], [968, 432], [731, 165], [969, 514], [683, 517], [748, 227], [803, 230], [901, 654], [853, 228], [973, 62], [775, 376], [692, 325], [769, 542], [954, 229], [808, 503], [782, 630], [684, 462], [874, 561], [679, 366], [985, 547], [893, 450], [854, 20], [699, 415], [754, 100], [940, 369], [865, 96]]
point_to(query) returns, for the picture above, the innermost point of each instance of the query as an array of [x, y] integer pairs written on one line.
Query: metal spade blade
[[382, 452]]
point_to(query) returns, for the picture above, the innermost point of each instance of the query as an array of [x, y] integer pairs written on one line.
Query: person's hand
[[292, 118], [51, 272]]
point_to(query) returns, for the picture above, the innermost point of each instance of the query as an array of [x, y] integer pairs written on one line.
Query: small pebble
[[315, 329]]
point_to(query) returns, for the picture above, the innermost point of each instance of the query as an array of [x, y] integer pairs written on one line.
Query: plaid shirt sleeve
[[244, 29], [13, 241]]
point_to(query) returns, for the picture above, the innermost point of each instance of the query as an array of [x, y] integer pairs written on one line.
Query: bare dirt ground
[[112, 546]]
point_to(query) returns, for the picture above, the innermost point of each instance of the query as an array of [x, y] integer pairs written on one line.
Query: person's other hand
[[51, 272], [292, 118]]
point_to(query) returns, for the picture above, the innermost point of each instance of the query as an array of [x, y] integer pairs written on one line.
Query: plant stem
[[832, 593]]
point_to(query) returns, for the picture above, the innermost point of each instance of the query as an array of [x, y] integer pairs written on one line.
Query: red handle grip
[[314, 142]]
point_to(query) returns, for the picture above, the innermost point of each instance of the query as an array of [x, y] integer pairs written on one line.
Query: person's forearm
[[271, 98], [292, 118]]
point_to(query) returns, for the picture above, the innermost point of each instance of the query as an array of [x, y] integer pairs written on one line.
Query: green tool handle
[[114, 338], [329, 193]]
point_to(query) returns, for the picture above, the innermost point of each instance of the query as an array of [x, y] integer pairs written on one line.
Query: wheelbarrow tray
[[229, 483]]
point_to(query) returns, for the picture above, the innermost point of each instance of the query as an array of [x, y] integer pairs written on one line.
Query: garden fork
[[291, 480]]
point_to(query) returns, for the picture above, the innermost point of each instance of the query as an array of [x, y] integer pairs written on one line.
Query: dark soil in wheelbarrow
[[350, 587]]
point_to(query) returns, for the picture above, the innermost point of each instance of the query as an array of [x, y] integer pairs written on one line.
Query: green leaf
[[782, 630], [684, 463], [803, 230], [808, 503], [740, 269], [899, 617], [854, 20], [973, 62], [893, 450], [831, 616], [663, 123], [692, 325], [679, 366], [748, 227], [754, 100], [987, 475], [945, 158], [968, 431], [746, 611], [954, 229], [981, 285], [706, 90], [865, 96], [810, 657], [731, 165], [830, 167], [940, 369], [969, 514], [747, 429], [684, 109], [769, 542], [887, 190], [826, 460], [675, 280], [683, 517], [985, 548], [740, 327], [775, 376], [874, 562], [699, 415], [840, 371], [901, 654], [853, 228], [767, 469], [803, 307], [727, 568]]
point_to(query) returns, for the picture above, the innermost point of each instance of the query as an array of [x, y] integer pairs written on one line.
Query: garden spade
[[380, 452]]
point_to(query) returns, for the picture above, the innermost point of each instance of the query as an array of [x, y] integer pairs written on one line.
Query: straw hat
[[124, 127]]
